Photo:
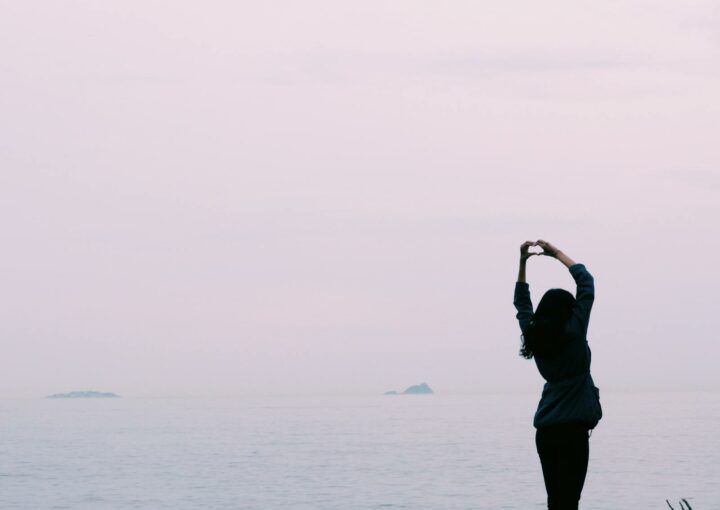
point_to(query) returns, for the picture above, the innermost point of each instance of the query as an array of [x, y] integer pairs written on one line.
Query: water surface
[[335, 453]]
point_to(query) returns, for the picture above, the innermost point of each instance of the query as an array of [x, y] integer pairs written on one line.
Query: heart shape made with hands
[[535, 249]]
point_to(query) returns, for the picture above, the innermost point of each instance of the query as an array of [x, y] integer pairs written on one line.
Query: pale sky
[[228, 198]]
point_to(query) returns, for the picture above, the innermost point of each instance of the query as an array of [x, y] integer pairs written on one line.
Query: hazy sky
[[226, 198]]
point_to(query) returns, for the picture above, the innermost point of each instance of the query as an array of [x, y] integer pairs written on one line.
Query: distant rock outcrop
[[84, 394], [417, 389]]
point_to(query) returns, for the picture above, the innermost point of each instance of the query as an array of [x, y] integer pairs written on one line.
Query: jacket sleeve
[[584, 297], [523, 304]]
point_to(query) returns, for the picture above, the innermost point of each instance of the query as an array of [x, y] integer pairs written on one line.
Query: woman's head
[[546, 332]]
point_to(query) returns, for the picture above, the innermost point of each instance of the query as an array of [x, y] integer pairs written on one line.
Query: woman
[[555, 335]]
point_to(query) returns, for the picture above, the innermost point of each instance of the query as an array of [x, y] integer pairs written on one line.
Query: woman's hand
[[524, 253], [552, 251], [548, 249]]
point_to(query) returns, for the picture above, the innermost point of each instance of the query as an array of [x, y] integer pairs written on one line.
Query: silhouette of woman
[[555, 335]]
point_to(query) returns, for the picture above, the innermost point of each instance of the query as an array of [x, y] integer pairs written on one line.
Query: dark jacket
[[569, 394]]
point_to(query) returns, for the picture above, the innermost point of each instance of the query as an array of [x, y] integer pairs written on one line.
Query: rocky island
[[416, 389], [84, 394]]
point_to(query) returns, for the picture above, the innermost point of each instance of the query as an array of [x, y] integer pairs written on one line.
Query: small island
[[416, 389], [84, 394]]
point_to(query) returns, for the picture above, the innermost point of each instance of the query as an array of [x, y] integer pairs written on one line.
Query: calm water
[[381, 452]]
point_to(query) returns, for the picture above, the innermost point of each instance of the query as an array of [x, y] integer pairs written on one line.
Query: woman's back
[[570, 394], [574, 357]]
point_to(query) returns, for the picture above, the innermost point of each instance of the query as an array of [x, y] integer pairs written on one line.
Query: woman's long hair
[[546, 333]]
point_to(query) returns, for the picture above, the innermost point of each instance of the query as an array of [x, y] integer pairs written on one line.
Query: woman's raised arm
[[524, 255], [585, 293], [521, 299]]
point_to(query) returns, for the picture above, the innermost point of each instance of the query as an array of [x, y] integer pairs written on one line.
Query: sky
[[254, 198]]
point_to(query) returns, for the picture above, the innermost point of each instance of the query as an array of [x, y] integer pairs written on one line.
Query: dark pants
[[563, 451]]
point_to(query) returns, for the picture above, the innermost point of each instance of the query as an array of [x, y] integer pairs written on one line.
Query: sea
[[416, 452]]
